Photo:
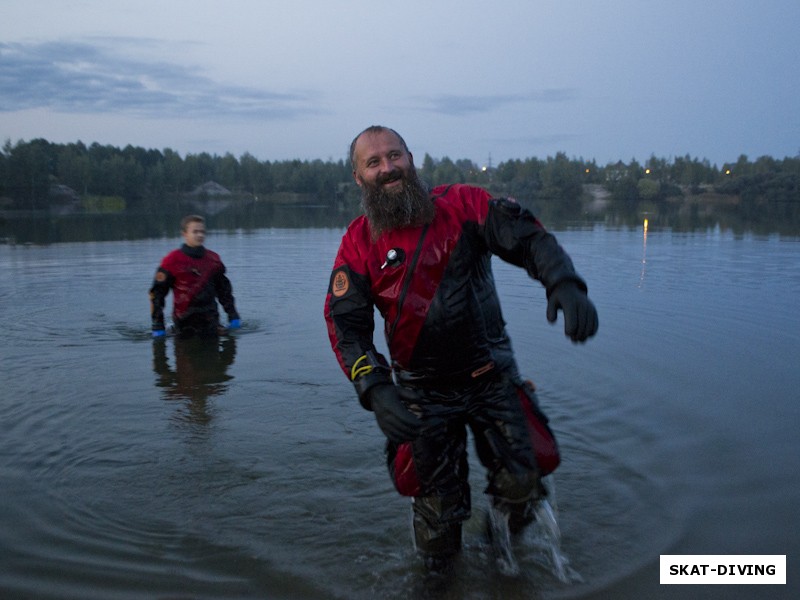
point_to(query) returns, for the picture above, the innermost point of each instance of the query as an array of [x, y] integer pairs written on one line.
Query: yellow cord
[[357, 371]]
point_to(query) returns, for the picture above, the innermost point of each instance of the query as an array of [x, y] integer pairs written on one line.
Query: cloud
[[461, 105], [81, 77]]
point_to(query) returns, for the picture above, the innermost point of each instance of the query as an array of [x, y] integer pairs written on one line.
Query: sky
[[602, 80]]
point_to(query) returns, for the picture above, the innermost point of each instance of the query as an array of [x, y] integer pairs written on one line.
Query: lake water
[[131, 469]]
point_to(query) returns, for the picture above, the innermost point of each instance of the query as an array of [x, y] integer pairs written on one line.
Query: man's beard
[[408, 206]]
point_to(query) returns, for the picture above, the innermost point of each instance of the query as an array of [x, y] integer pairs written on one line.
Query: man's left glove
[[234, 323], [580, 315], [158, 329], [395, 420]]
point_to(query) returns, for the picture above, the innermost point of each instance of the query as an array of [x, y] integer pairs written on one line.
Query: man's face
[[392, 195], [194, 235], [381, 162]]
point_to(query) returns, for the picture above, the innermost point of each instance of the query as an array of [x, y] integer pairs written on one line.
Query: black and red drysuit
[[450, 352], [197, 279]]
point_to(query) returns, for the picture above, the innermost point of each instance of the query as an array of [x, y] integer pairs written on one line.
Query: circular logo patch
[[341, 283]]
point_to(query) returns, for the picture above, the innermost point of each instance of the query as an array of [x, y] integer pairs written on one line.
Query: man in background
[[196, 276]]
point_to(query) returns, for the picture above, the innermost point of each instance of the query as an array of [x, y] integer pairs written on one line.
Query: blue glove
[[157, 333], [234, 324]]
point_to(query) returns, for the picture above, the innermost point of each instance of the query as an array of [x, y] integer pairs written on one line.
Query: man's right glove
[[395, 420]]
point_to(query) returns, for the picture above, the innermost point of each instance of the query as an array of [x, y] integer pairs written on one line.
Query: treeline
[[38, 175]]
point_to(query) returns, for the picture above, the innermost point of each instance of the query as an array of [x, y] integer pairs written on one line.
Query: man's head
[[193, 230], [391, 193]]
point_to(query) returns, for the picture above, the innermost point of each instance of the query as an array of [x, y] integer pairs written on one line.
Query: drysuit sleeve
[[225, 294], [516, 236], [162, 283], [350, 317]]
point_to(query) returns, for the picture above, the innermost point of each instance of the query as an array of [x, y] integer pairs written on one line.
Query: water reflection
[[200, 371], [46, 228], [644, 251]]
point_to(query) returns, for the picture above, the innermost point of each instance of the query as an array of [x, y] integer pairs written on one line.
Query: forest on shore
[[41, 177]]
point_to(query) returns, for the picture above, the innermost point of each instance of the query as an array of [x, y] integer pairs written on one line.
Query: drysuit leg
[[504, 447], [437, 524], [440, 488]]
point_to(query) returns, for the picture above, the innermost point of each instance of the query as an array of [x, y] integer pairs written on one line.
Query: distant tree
[[468, 169], [446, 172], [256, 176], [124, 177], [622, 181], [506, 171], [561, 179], [657, 169], [591, 172], [4, 170], [29, 172], [74, 167], [199, 168], [428, 168], [228, 172], [175, 176], [648, 189]]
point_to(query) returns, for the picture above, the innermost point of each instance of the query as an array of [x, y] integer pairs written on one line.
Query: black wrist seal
[[370, 370]]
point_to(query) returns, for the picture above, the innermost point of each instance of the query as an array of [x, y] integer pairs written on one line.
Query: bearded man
[[423, 259]]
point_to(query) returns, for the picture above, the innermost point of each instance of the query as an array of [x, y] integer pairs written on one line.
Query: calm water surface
[[246, 469]]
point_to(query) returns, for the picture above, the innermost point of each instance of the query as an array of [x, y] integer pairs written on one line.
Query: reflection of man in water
[[197, 279], [200, 372]]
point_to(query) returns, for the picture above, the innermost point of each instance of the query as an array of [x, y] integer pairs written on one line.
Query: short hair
[[191, 219], [374, 129]]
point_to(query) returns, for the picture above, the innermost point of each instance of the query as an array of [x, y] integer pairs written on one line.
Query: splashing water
[[546, 520], [547, 537], [501, 542], [543, 536]]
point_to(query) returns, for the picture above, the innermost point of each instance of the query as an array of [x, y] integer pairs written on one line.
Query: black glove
[[580, 315], [395, 420]]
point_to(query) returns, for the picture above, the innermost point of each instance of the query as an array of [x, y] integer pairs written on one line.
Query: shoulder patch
[[341, 283]]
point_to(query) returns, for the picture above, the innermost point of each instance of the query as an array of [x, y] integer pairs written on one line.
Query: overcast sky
[[597, 79]]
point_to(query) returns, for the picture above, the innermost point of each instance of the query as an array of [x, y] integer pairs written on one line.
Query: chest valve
[[394, 258]]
